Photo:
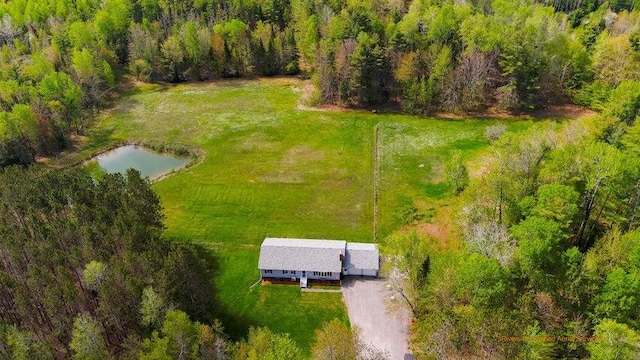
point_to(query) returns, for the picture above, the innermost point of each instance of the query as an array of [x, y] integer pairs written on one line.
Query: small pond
[[149, 163]]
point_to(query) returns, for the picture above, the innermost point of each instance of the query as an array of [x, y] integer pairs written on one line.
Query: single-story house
[[308, 259]]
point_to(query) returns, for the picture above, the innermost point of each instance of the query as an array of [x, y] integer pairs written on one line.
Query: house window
[[293, 272], [268, 271], [322, 273], [285, 272]]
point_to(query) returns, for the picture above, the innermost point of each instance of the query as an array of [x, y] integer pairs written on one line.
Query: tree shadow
[[235, 326]]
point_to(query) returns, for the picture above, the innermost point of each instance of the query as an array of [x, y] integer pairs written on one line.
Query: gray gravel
[[366, 304]]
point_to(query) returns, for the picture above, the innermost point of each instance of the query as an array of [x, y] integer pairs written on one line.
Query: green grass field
[[271, 169]]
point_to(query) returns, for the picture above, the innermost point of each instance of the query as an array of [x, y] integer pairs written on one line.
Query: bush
[[594, 95], [493, 133]]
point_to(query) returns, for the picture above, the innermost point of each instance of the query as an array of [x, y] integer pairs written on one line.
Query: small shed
[[361, 259]]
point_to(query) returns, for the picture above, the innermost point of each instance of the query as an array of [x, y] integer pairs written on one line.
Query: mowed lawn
[[274, 170]]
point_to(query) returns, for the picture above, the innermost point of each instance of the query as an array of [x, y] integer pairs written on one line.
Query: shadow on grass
[[438, 190], [100, 138], [236, 327]]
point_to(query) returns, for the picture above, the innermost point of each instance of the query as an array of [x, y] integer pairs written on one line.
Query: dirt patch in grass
[[569, 111], [566, 111], [283, 177], [441, 233], [437, 172], [256, 142], [479, 166], [301, 154]]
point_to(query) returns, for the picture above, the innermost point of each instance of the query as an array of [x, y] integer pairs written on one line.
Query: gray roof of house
[[301, 254], [362, 256]]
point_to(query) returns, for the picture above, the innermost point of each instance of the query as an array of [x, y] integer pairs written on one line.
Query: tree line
[[61, 60]]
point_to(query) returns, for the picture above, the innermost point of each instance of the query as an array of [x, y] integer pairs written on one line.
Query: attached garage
[[361, 259]]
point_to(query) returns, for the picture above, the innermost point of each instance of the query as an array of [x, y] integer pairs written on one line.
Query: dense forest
[[84, 266], [552, 246]]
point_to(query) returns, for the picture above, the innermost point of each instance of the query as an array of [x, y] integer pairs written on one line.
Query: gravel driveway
[[365, 300]]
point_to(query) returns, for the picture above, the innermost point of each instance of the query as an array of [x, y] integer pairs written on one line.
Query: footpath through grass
[[274, 170]]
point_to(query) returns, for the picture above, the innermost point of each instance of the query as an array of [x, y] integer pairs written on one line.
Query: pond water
[[149, 163]]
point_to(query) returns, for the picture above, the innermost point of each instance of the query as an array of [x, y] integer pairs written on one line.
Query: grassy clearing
[[271, 169], [413, 154]]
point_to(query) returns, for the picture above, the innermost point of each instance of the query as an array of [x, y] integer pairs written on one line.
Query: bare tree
[[468, 85], [490, 239], [7, 31]]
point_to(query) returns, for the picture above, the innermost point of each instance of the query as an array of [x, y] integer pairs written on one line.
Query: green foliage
[[61, 59], [334, 341], [457, 172], [173, 57], [93, 275], [541, 244], [427, 56], [535, 348], [619, 297], [614, 341], [558, 203], [178, 338], [39, 67], [609, 251], [615, 60], [22, 345], [410, 252], [367, 60], [635, 41], [151, 308], [87, 339], [264, 344], [594, 95], [483, 281], [624, 102]]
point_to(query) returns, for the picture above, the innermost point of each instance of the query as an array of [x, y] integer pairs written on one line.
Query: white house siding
[[360, 272], [331, 276], [281, 274]]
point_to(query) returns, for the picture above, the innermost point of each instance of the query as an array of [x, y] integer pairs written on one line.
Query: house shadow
[[349, 281]]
